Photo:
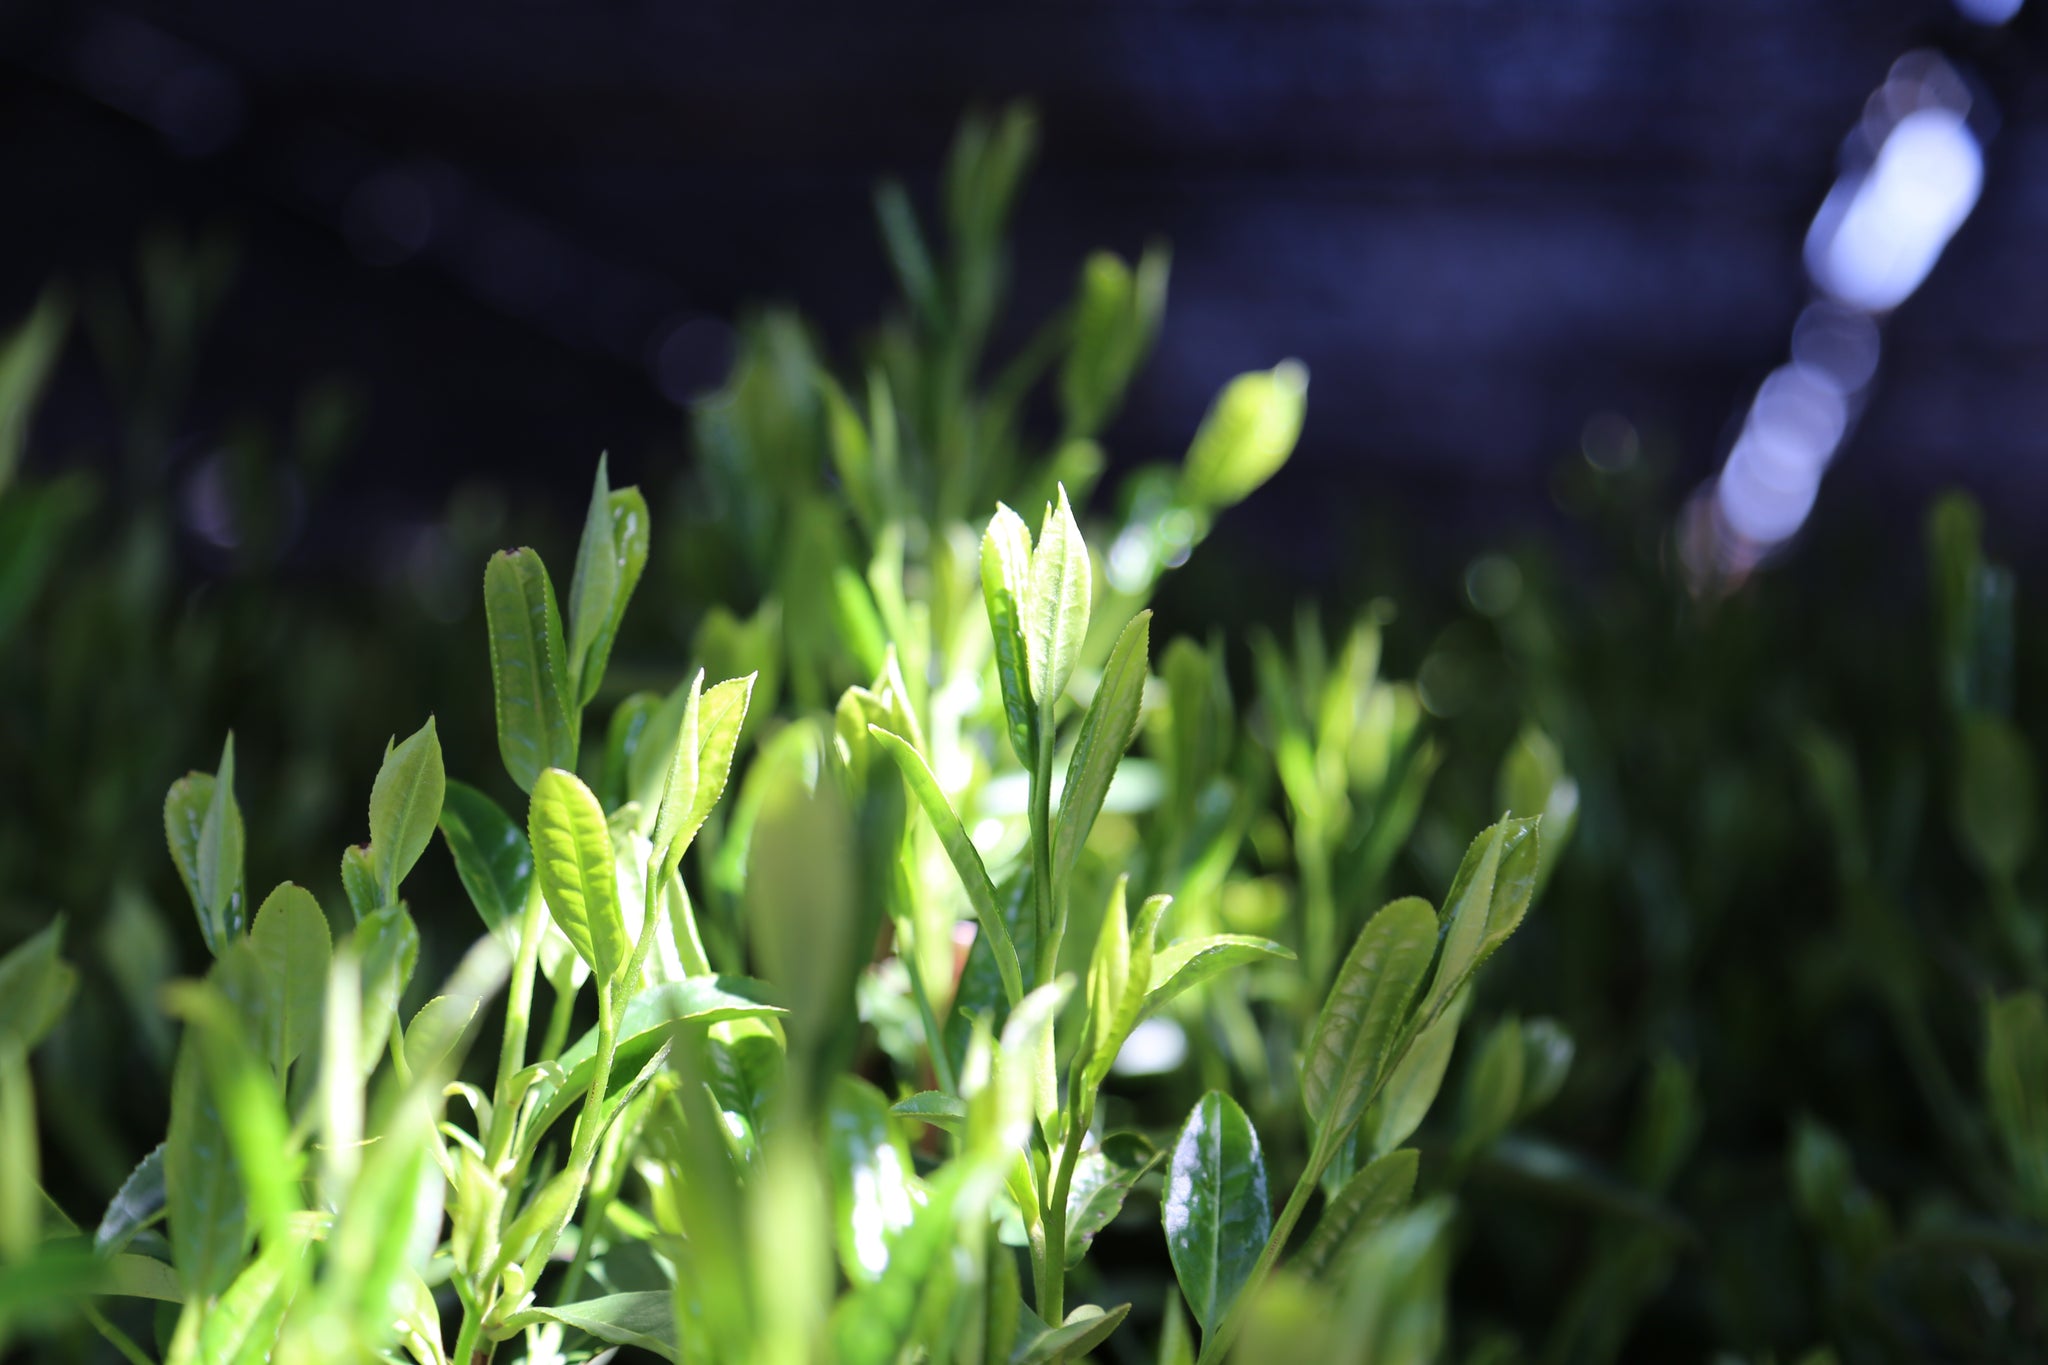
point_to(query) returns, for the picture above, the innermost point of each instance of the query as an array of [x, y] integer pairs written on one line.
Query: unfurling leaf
[[1056, 607], [572, 857], [1005, 589], [405, 805], [529, 667]]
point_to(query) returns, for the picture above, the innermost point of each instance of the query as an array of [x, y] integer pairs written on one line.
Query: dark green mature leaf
[[405, 804], [1106, 731], [1086, 1328], [1367, 1200], [1368, 1004], [648, 1021], [872, 1185], [138, 1203], [490, 852], [1215, 1210], [1187, 963], [1005, 588], [387, 943], [572, 856], [645, 1320], [1056, 607], [209, 1226], [981, 893], [529, 667], [1247, 435], [292, 945], [36, 987]]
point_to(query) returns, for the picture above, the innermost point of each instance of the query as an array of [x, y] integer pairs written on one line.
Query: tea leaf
[[1187, 963], [1101, 1184], [1106, 731], [36, 987], [871, 1178], [1131, 1004], [490, 852], [934, 1108], [721, 718], [208, 1220], [359, 880], [592, 587], [405, 804], [529, 677], [1247, 435], [1342, 1065], [1086, 1328], [1367, 1200], [2015, 1061], [981, 893], [1488, 897], [1056, 607], [645, 1320], [388, 945], [1215, 1209], [138, 1203], [1005, 589], [435, 1030], [572, 856], [1411, 1088], [1994, 801], [293, 946]]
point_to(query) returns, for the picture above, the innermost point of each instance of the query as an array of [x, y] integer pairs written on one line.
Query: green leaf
[[1493, 1087], [138, 1203], [242, 1324], [1215, 1209], [36, 987], [1247, 435], [388, 945], [572, 856], [875, 1323], [405, 804], [203, 826], [981, 893], [1102, 1181], [1187, 963], [1547, 1051], [208, 1219], [1131, 1001], [1056, 607], [1109, 972], [435, 1030], [933, 1107], [1005, 588], [2016, 1081], [490, 852], [1086, 1328], [529, 669], [648, 1021], [593, 586], [1106, 731], [1994, 802], [1368, 1004], [359, 880], [720, 715], [1488, 897], [142, 1277], [21, 1209], [292, 945], [872, 1184], [645, 1320], [1367, 1200], [1411, 1088], [629, 542]]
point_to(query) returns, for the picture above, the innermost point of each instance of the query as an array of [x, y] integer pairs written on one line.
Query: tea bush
[[941, 968]]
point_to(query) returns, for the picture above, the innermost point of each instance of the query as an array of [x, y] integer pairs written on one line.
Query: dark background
[[523, 228]]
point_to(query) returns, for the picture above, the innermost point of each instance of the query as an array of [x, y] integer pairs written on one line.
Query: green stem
[[560, 1015], [1052, 1291], [116, 1338], [1041, 852], [518, 1010]]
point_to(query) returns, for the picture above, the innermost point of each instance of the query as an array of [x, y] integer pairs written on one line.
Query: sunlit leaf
[[572, 857], [405, 804], [529, 667], [1215, 1210]]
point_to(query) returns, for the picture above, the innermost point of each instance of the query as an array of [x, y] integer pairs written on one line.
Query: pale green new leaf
[[405, 805], [1186, 963], [721, 716], [1247, 435], [1056, 607], [293, 946], [1005, 589], [572, 856], [592, 586], [1106, 731], [981, 892], [529, 667], [387, 944], [644, 1319]]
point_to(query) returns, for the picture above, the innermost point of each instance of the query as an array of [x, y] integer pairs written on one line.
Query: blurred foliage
[[1768, 1071]]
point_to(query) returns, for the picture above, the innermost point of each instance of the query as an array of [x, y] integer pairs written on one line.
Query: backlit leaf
[[529, 667], [572, 856], [405, 804], [1056, 607], [293, 946]]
